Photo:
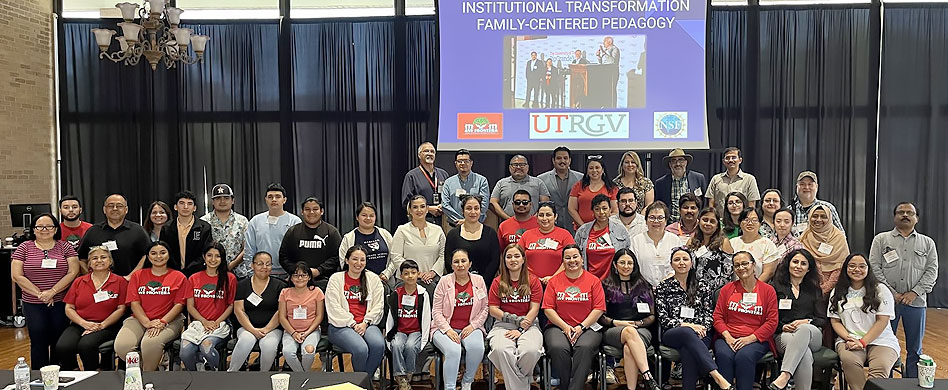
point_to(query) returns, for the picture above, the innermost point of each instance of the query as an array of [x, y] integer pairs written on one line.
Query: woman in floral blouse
[[712, 251], [632, 175], [685, 308]]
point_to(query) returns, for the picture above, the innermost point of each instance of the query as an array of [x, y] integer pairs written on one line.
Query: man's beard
[[627, 215], [73, 219]]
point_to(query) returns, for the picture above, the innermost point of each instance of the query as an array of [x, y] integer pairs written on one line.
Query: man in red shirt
[[72, 227], [512, 229]]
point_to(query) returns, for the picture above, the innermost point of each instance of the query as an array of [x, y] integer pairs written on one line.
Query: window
[[419, 7], [806, 2], [341, 8], [229, 9]]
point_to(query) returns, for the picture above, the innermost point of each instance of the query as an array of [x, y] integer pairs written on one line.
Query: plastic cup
[[926, 375], [280, 381], [50, 375]]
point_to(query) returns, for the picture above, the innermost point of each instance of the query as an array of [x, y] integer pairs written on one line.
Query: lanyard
[[434, 184]]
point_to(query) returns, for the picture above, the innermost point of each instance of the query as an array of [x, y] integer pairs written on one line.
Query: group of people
[[580, 260]]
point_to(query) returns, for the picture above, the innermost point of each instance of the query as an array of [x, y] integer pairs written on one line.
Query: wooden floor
[[14, 342]]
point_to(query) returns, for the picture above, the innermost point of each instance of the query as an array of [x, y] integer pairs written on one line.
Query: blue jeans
[[913, 320], [696, 362], [45, 324], [291, 349], [367, 351], [190, 353], [474, 354], [405, 350], [740, 364]]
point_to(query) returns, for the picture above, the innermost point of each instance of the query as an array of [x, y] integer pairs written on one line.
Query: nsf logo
[[671, 125]]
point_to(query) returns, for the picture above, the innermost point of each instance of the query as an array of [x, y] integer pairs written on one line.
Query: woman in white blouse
[[421, 241], [750, 240]]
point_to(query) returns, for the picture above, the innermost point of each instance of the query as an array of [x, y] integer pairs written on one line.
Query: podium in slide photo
[[574, 71]]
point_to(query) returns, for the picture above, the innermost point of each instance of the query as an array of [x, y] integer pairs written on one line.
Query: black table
[[902, 384], [181, 380]]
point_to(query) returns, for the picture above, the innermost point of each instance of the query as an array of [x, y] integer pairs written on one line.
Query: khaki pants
[[880, 359], [133, 333]]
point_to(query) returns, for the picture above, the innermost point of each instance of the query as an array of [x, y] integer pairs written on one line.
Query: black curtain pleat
[[913, 124]]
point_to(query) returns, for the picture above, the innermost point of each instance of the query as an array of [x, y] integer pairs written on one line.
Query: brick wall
[[27, 134]]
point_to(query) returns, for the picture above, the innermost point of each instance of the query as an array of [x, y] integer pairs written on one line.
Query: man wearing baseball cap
[[680, 181], [807, 186], [228, 227]]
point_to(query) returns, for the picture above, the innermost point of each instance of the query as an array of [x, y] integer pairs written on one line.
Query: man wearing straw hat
[[680, 181]]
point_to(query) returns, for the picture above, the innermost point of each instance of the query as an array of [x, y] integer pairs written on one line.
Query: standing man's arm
[[495, 202], [447, 203], [927, 282], [250, 243], [876, 261], [483, 189]]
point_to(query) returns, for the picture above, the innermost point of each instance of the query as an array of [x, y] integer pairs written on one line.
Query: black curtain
[[913, 122]]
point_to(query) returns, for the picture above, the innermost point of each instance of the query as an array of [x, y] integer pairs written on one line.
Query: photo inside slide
[[589, 74]]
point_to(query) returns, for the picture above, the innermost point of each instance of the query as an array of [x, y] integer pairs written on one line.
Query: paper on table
[[341, 386], [79, 375]]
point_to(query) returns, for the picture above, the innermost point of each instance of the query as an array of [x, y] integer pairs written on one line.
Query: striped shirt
[[44, 278]]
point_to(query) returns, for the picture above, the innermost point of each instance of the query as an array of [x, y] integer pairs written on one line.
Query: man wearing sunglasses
[[501, 199], [511, 229]]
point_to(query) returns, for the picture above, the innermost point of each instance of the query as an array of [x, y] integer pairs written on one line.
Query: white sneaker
[[465, 386], [611, 376], [377, 374], [554, 381]]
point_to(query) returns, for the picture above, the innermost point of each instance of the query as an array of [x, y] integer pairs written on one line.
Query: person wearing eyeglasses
[[157, 218], [599, 239], [127, 240], [733, 179], [314, 242], [465, 182], [266, 230], [679, 181], [582, 194], [750, 240], [807, 187], [510, 231], [257, 307], [684, 306], [746, 317], [859, 310], [43, 268], [770, 203], [560, 181], [712, 251], [633, 221], [631, 175], [477, 239], [501, 198], [827, 244], [735, 202], [654, 247], [426, 180], [301, 311], [543, 245]]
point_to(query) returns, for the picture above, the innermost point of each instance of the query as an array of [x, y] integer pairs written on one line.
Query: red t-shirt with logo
[[74, 235], [158, 294], [408, 321], [207, 300], [463, 303], [82, 296], [544, 251], [573, 299], [599, 252], [515, 304], [584, 198], [354, 296], [511, 230]]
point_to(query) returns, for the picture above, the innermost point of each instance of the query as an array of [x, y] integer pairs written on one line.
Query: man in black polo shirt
[[127, 240], [187, 236]]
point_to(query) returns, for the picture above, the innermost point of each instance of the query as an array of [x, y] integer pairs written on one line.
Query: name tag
[[272, 220], [687, 312], [254, 299], [459, 192], [299, 313], [643, 307], [785, 304], [891, 256], [111, 245], [703, 250], [595, 327], [551, 244], [408, 300], [100, 296], [698, 192], [749, 298], [48, 263], [825, 248], [480, 294]]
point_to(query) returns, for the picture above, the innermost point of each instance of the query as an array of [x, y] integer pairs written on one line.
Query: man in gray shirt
[[559, 181], [907, 262], [501, 199]]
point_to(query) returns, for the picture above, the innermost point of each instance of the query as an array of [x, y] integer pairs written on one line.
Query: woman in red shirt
[[543, 245], [95, 303], [157, 295], [573, 302], [582, 193], [213, 302], [746, 318], [514, 300]]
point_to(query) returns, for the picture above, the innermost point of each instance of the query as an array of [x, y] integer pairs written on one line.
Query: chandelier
[[156, 36]]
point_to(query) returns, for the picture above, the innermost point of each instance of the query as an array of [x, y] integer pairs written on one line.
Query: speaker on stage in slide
[[609, 54], [636, 83]]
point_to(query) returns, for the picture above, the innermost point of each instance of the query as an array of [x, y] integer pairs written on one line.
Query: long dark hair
[[637, 285], [717, 238], [303, 268], [149, 225], [870, 302], [608, 183], [222, 272], [148, 250], [729, 225], [57, 230], [811, 281], [691, 283], [503, 277], [363, 288]]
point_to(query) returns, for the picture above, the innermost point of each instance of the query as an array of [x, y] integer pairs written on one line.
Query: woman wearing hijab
[[827, 244]]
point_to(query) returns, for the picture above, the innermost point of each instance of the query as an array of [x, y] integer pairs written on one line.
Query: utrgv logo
[[611, 125]]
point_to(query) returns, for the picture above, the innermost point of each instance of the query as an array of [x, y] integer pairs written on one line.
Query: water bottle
[[133, 371], [21, 375]]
